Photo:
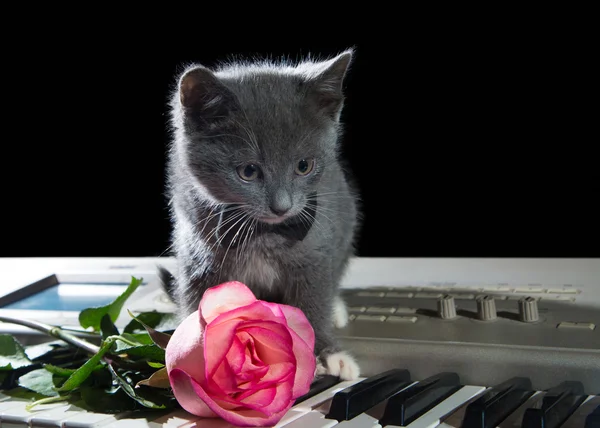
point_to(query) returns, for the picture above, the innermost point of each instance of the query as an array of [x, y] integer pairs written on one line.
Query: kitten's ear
[[327, 84], [200, 91]]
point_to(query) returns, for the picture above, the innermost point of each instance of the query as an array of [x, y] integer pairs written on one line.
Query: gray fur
[[273, 115]]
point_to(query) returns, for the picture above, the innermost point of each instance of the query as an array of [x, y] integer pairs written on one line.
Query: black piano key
[[410, 404], [557, 405], [318, 386], [360, 397], [593, 419], [497, 403]]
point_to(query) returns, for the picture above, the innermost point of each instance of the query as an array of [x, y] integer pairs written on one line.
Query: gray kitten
[[257, 191]]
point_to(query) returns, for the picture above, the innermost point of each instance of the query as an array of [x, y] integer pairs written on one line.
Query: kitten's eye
[[305, 166], [248, 172]]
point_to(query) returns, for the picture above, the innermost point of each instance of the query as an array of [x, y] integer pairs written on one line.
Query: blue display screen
[[70, 297]]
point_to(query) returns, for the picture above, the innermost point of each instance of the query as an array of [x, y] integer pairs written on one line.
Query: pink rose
[[241, 359]]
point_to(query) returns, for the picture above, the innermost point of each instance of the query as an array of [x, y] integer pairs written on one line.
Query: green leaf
[[159, 379], [108, 327], [12, 354], [129, 390], [151, 352], [92, 317], [83, 372], [59, 371], [38, 351], [106, 400], [161, 339], [151, 319], [39, 381], [141, 338], [155, 365]]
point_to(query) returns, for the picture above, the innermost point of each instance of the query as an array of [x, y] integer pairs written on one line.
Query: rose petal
[[277, 372], [272, 341], [258, 398], [281, 393], [220, 333], [185, 349], [225, 378], [275, 308], [223, 298], [298, 322], [238, 416], [237, 354], [256, 311], [186, 395], [306, 363], [218, 340]]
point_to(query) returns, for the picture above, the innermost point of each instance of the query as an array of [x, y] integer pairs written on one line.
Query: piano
[[441, 342]]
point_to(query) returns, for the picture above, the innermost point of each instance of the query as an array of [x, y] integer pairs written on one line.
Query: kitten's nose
[[281, 203]]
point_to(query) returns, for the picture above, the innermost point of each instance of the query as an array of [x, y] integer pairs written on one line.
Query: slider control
[[528, 310], [486, 308], [446, 307]]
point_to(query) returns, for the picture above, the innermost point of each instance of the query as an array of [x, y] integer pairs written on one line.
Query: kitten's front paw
[[340, 313], [320, 370], [343, 365]]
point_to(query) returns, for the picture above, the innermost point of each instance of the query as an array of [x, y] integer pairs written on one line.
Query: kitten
[[258, 194]]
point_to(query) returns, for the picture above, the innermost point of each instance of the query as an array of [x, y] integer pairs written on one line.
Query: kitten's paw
[[343, 365], [340, 313], [320, 370]]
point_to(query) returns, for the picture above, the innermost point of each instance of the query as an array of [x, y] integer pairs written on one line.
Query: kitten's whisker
[[206, 220], [329, 196], [230, 244], [237, 250], [215, 246], [249, 233], [222, 211], [321, 207], [306, 220], [310, 218], [320, 210], [314, 217], [166, 250], [217, 228], [240, 217]]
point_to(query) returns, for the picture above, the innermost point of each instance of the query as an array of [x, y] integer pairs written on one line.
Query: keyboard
[[389, 399], [440, 342]]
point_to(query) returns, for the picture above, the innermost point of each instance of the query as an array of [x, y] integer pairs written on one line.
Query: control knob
[[446, 307], [486, 308], [528, 310]]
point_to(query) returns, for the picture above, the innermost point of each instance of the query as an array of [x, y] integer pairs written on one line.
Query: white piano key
[[577, 419], [176, 419], [74, 417], [91, 420], [431, 419], [19, 415], [361, 421], [456, 417], [10, 403], [291, 416], [312, 419], [132, 423], [318, 399]]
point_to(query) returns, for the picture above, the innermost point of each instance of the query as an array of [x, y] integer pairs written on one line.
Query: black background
[[462, 144]]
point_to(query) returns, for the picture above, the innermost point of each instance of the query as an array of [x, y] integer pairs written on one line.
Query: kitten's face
[[261, 139]]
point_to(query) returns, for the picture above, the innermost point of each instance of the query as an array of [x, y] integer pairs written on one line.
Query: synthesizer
[[440, 342]]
